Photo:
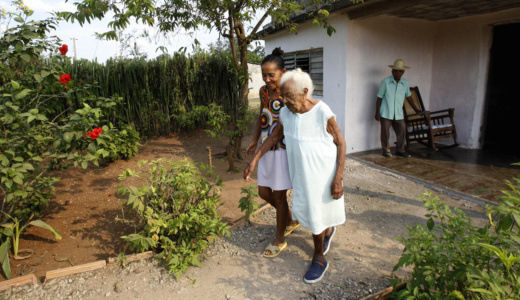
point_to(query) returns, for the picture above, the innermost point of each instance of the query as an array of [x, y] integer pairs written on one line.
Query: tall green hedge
[[155, 92]]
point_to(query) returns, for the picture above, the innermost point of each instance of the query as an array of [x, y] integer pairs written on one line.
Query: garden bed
[[87, 208]]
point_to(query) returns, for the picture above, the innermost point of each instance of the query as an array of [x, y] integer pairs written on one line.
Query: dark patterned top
[[269, 118]]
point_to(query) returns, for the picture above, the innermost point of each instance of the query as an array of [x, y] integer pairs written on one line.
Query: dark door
[[502, 123]]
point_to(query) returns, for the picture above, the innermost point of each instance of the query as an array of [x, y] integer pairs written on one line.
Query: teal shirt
[[393, 94]]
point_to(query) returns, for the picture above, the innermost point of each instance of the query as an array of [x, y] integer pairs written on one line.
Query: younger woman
[[273, 170]]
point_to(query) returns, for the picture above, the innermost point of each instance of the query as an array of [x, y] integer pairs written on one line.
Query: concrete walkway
[[478, 173]]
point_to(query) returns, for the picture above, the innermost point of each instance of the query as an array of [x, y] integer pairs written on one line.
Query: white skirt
[[273, 171]]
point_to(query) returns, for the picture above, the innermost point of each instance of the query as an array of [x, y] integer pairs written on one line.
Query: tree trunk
[[229, 155], [244, 100]]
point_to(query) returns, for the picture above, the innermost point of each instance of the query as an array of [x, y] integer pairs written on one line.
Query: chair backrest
[[417, 100]]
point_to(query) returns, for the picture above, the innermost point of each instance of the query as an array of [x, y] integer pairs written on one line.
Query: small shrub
[[453, 259], [12, 230], [176, 212], [247, 203], [500, 278], [116, 143], [188, 120], [220, 124]]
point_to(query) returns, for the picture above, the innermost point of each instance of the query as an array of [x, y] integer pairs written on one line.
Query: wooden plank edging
[[132, 257], [57, 273], [22, 280], [384, 293], [74, 270]]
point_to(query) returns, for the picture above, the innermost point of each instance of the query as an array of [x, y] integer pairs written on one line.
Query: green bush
[[164, 94], [454, 259], [247, 203], [45, 118], [40, 129], [195, 118], [176, 212]]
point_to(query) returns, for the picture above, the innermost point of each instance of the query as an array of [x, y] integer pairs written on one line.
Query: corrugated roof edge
[[304, 16]]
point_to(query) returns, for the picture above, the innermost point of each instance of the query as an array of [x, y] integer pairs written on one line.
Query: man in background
[[393, 91]]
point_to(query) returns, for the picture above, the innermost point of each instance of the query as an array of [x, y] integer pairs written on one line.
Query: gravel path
[[363, 253]]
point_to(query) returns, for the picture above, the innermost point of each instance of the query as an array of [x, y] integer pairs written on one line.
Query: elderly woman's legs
[[318, 239], [319, 264], [278, 199]]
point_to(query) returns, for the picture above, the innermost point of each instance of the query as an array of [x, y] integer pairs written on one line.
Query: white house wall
[[449, 63], [460, 70], [255, 80], [334, 59], [373, 44]]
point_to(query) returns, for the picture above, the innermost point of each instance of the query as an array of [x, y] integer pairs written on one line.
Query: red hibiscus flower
[[94, 134], [65, 78], [64, 49]]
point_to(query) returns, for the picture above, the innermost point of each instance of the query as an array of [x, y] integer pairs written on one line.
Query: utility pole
[[74, 43]]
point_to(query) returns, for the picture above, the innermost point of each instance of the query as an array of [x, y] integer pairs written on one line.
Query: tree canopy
[[236, 20], [239, 21]]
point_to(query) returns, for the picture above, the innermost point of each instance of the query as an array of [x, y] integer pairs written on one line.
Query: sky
[[90, 47]]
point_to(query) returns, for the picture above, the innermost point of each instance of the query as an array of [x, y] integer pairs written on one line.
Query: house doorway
[[501, 131]]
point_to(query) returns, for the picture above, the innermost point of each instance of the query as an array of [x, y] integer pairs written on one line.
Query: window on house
[[310, 61]]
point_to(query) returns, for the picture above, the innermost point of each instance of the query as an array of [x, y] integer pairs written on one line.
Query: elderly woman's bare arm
[[274, 138], [336, 188]]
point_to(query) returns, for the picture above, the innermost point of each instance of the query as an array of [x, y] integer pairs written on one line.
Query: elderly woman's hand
[[336, 189]]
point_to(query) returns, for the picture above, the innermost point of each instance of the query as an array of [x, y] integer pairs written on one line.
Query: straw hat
[[399, 65]]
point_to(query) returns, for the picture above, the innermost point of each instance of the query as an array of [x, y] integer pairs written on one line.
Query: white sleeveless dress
[[312, 157]]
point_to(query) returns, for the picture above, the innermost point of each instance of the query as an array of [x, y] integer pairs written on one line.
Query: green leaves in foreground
[[41, 224], [176, 212], [11, 232], [248, 203], [4, 258], [453, 259]]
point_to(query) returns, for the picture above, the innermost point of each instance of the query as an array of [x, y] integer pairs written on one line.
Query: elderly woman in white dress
[[316, 153]]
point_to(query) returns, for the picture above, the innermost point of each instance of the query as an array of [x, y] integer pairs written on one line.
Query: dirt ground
[[86, 208], [379, 206]]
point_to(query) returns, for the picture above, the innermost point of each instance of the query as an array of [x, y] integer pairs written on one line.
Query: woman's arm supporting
[[274, 138], [336, 188]]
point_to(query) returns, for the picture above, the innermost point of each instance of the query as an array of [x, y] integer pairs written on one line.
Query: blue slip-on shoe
[[315, 272], [327, 240]]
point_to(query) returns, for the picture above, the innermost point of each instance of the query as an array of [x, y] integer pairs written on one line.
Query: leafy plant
[[194, 118], [13, 230], [500, 279], [115, 143], [121, 258], [161, 95], [44, 118], [176, 211], [219, 125], [247, 203], [453, 259]]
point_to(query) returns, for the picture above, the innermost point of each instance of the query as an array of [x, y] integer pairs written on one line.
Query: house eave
[[431, 10], [304, 16]]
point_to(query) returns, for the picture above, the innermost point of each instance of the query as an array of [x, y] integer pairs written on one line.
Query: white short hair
[[301, 80]]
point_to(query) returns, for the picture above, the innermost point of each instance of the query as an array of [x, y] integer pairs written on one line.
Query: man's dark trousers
[[400, 131]]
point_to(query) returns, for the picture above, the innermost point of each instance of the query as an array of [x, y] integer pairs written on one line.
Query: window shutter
[[310, 61]]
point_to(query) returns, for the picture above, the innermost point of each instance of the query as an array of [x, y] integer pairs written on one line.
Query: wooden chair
[[427, 127]]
